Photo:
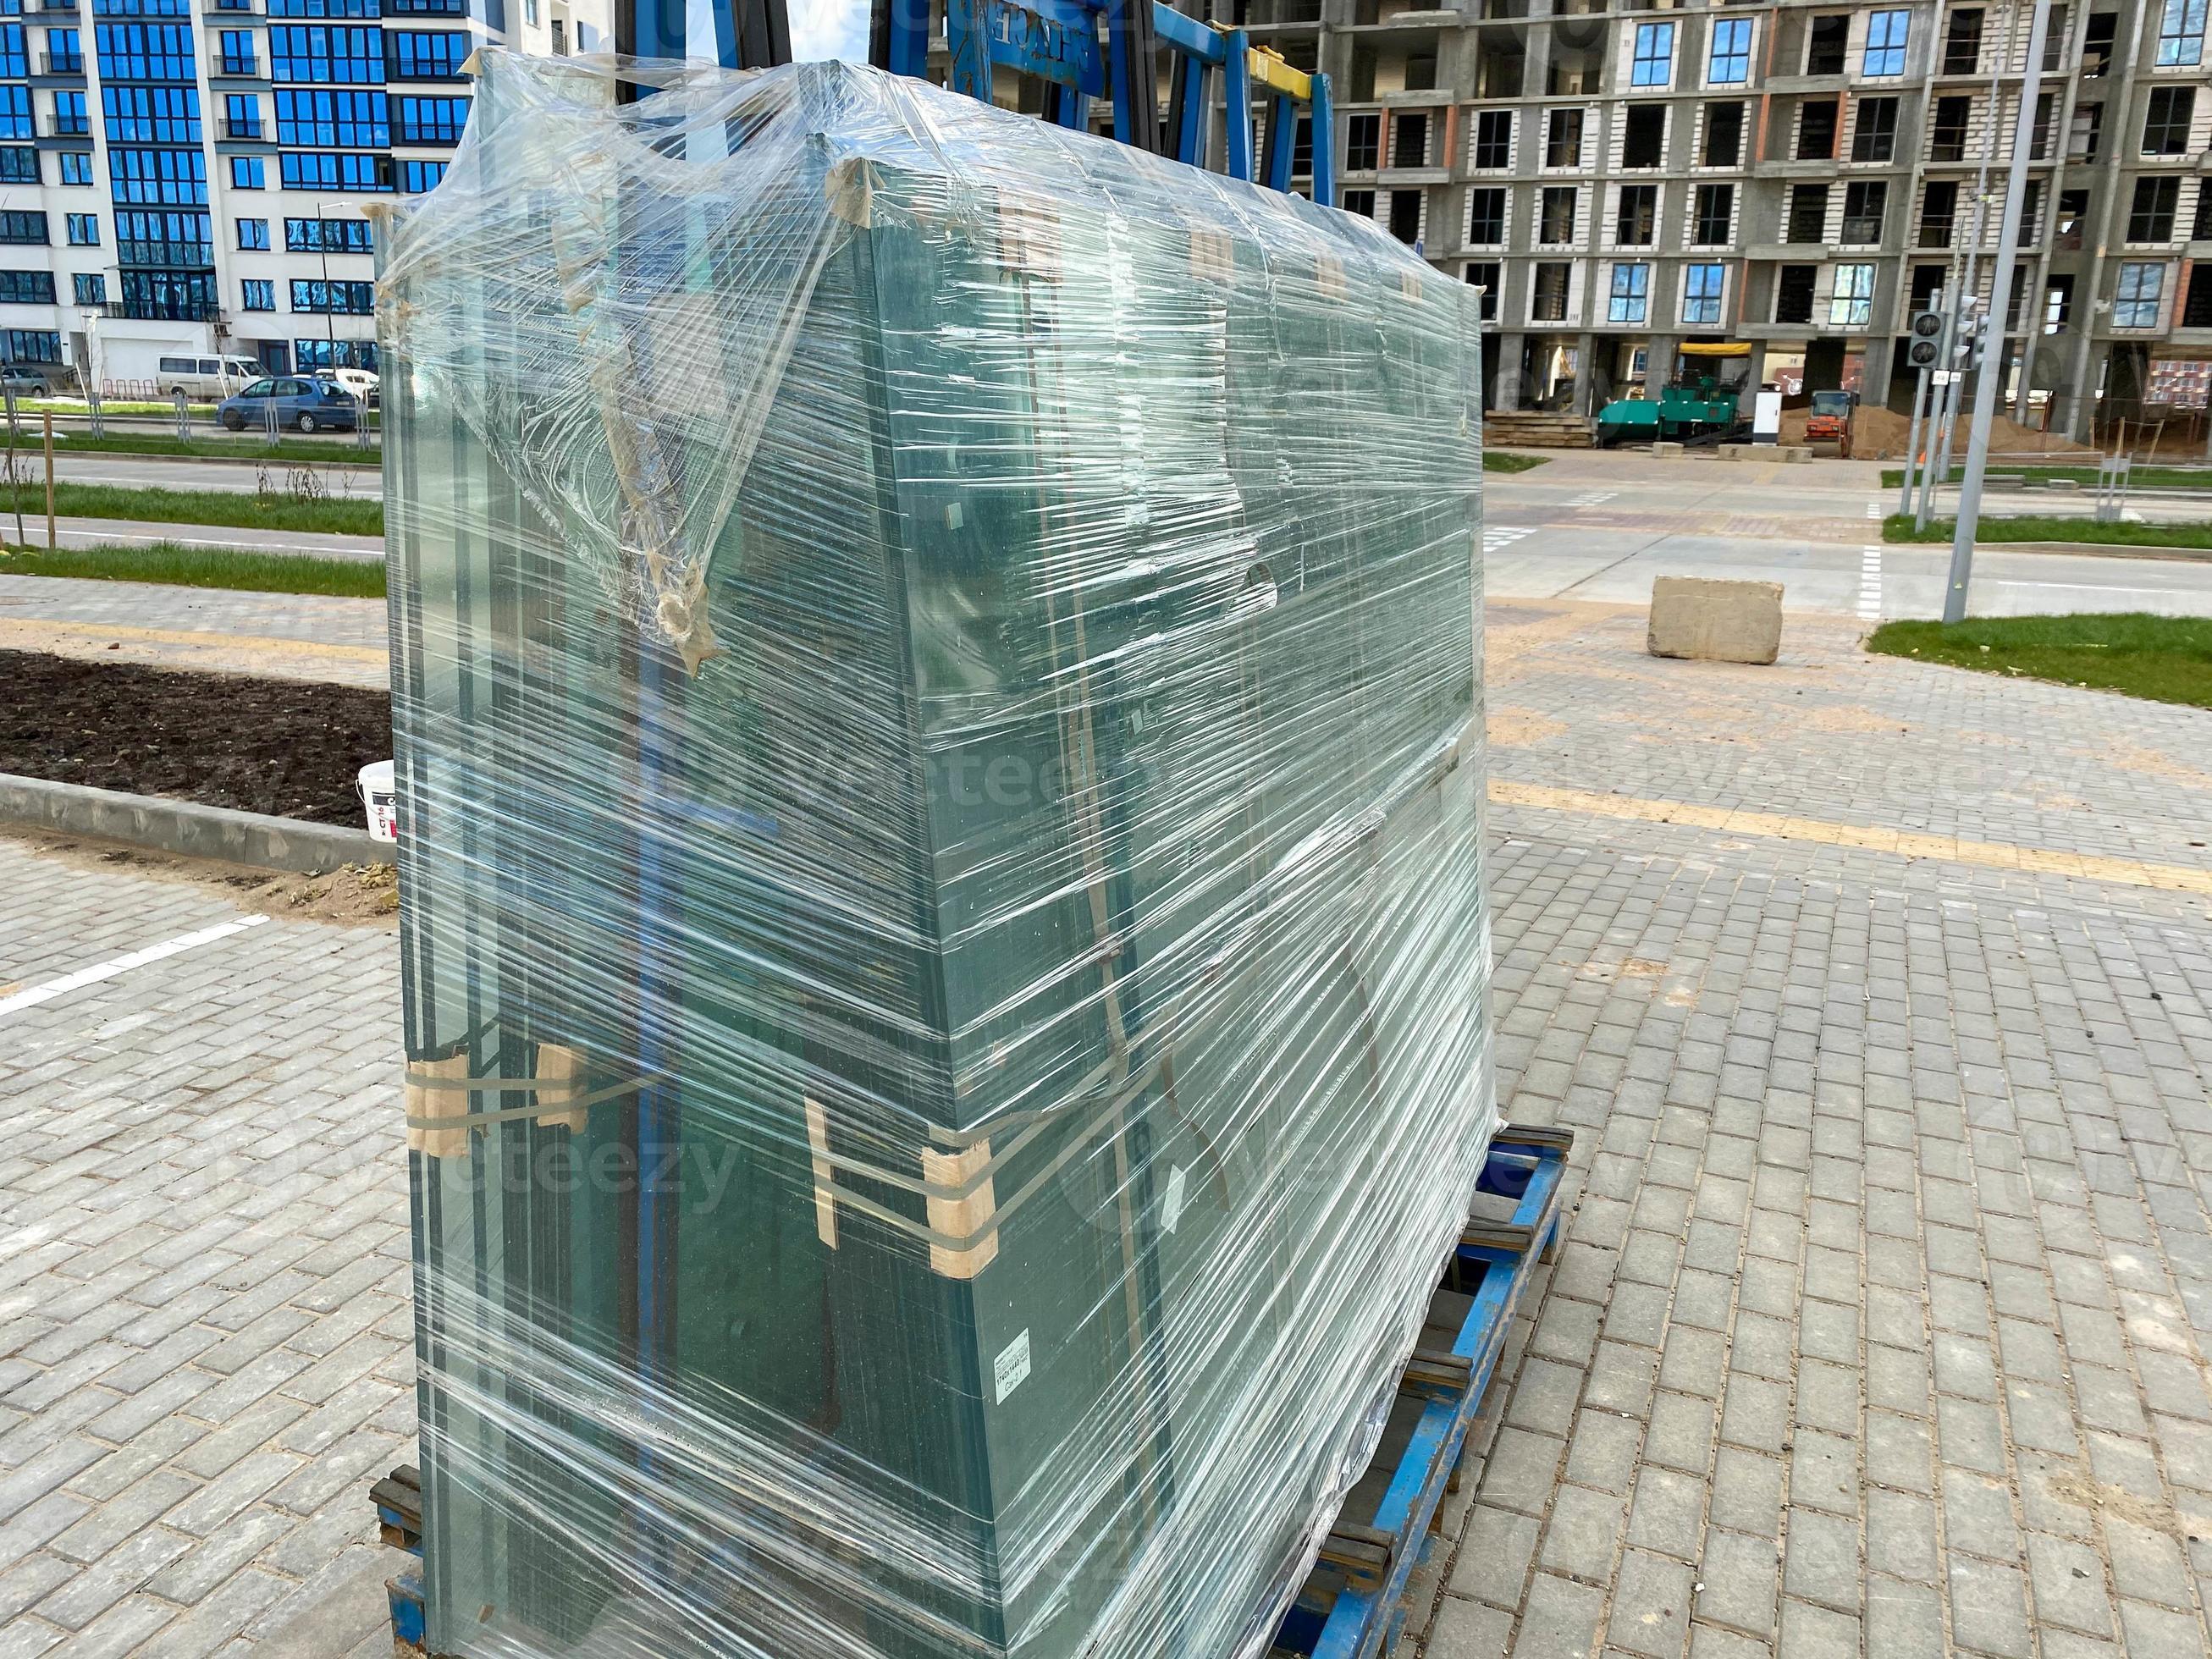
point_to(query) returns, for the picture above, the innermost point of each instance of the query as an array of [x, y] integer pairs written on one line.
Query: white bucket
[[380, 798]]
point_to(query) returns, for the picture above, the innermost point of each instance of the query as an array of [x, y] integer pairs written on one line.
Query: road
[[1582, 525], [1591, 526], [180, 472]]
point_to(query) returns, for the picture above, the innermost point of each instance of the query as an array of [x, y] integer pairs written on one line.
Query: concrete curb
[[2101, 549], [186, 827]]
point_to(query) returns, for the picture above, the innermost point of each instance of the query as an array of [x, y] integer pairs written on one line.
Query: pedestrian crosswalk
[[1499, 537], [1592, 498], [1870, 584]]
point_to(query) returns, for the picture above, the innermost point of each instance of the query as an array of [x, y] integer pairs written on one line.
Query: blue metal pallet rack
[[1085, 48], [1353, 1602]]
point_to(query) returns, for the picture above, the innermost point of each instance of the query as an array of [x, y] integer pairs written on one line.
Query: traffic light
[[1924, 350]]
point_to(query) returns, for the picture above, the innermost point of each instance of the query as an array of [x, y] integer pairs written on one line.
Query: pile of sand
[[1881, 435]]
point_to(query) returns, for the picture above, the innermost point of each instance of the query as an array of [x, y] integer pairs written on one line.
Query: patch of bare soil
[[290, 748]]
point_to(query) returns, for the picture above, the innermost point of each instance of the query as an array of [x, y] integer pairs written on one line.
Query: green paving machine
[[939, 739], [1700, 401]]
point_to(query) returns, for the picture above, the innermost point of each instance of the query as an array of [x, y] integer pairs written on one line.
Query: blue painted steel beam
[[1055, 40], [1237, 104], [1188, 35], [1324, 142], [1281, 141], [1190, 111], [901, 42], [1130, 41], [968, 38], [649, 28]]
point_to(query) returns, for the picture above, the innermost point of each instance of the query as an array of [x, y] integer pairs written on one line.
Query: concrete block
[[1796, 452], [1715, 621], [2062, 483], [1738, 452], [1665, 450]]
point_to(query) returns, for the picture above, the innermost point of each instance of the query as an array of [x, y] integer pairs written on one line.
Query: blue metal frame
[[1083, 49], [659, 28], [1359, 1620]]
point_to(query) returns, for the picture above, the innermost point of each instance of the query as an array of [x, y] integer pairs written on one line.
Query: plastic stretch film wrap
[[936, 666]]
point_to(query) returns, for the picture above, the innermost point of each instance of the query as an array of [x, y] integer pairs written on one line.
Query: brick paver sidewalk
[[1876, 1329], [287, 635]]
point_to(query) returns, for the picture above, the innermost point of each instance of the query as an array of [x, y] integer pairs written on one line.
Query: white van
[[206, 378], [359, 381]]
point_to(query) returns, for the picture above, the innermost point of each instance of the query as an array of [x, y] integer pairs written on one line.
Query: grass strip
[[1499, 460], [2143, 477], [2162, 659], [331, 516], [1897, 527], [201, 567]]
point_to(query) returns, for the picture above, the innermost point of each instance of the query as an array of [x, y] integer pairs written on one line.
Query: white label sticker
[[1171, 1199], [1011, 1368]]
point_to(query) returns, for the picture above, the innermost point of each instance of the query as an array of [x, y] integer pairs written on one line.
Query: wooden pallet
[[1353, 1602]]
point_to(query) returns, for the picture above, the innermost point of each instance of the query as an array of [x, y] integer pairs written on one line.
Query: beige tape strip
[[970, 1217], [427, 1103], [826, 1174]]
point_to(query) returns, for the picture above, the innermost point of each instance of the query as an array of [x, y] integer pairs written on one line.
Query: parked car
[[361, 382], [39, 380], [304, 402], [198, 378]]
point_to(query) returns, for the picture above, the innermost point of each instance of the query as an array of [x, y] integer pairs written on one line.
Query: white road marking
[[1870, 583], [55, 987], [1592, 498], [1495, 537], [1873, 511]]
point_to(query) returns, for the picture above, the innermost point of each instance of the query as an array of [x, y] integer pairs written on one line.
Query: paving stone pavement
[[205, 1322], [1878, 1329], [1880, 1324], [290, 636]]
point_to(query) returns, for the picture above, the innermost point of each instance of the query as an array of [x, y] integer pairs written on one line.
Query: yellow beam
[[1268, 69]]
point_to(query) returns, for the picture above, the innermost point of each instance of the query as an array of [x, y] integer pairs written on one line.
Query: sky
[[829, 28]]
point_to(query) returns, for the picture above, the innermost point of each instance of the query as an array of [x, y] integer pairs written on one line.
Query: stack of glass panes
[[936, 671]]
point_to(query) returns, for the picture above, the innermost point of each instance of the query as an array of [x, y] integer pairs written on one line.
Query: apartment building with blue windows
[[195, 175]]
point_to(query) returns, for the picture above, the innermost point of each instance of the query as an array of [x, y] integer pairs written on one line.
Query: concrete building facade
[[1798, 176]]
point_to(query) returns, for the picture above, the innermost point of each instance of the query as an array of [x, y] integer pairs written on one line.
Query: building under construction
[[1801, 178]]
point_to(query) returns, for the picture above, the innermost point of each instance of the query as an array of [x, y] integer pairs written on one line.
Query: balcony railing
[[70, 126], [1936, 233], [162, 311], [244, 129], [230, 65], [61, 63]]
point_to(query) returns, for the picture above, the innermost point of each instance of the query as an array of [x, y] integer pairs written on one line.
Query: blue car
[[302, 401]]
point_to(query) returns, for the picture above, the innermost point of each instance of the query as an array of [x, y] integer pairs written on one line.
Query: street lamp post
[[1991, 368]]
